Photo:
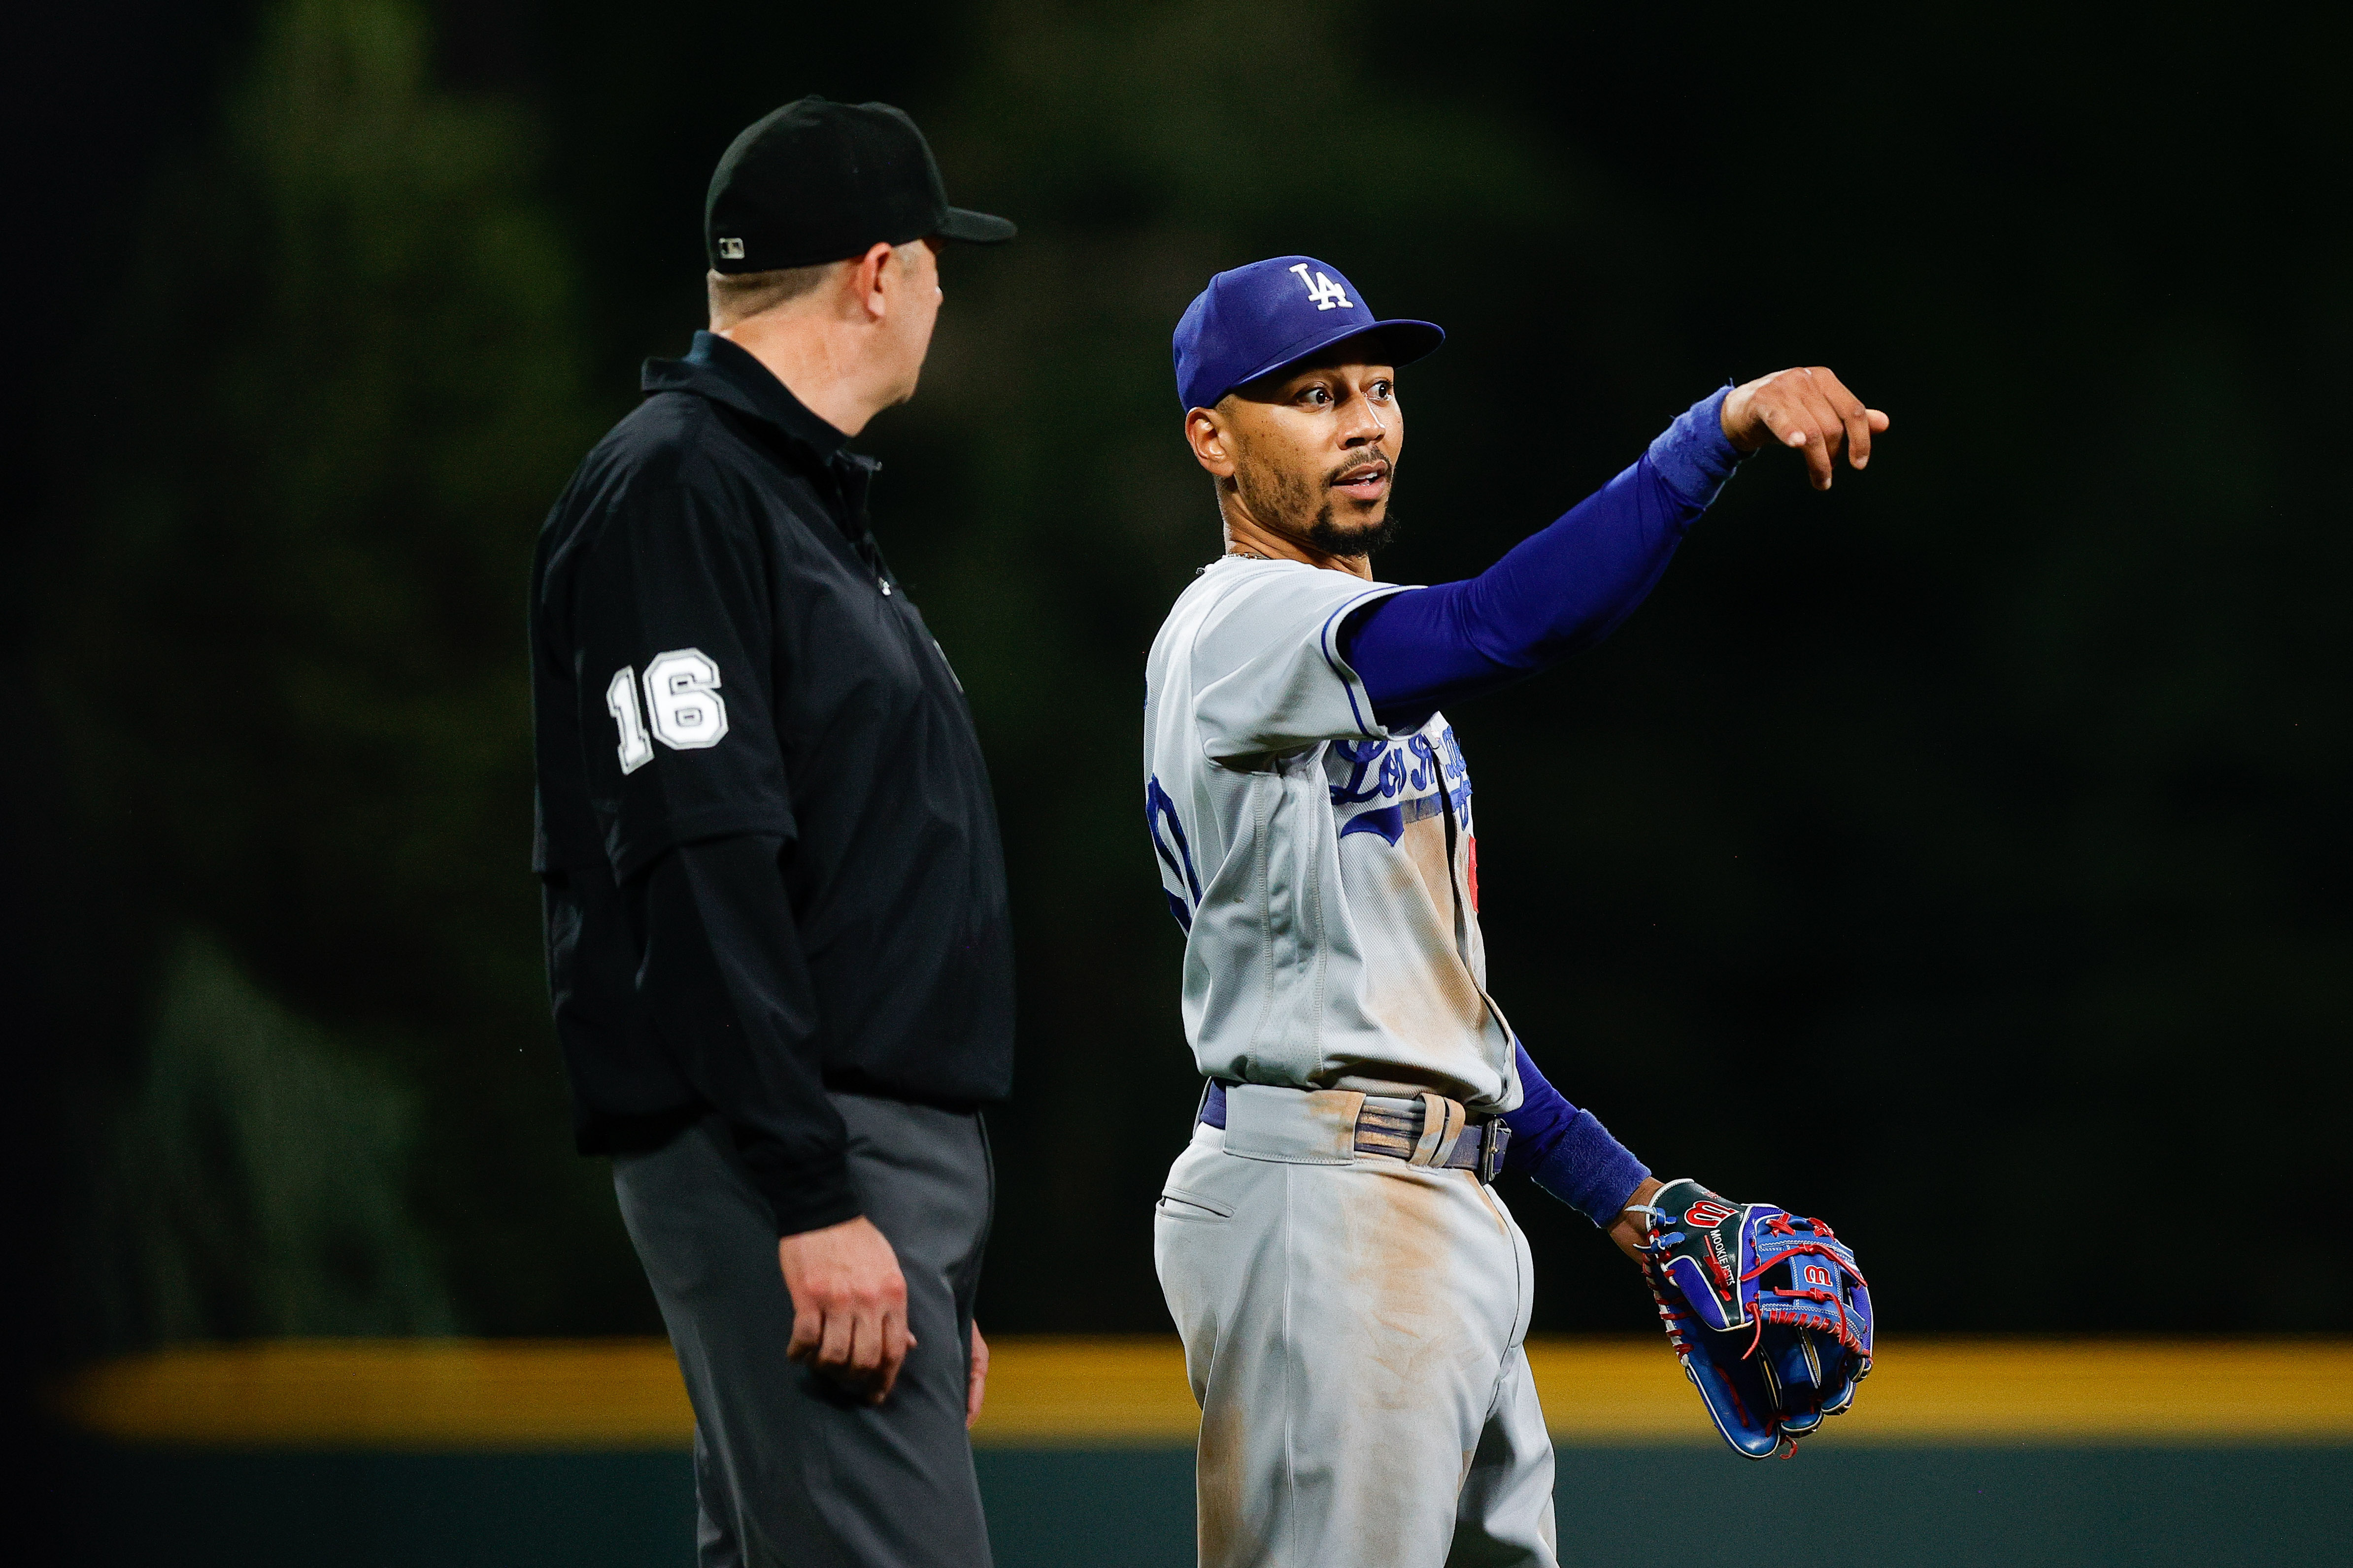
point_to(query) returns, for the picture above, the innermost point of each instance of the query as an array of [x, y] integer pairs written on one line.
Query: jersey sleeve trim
[[1360, 701], [1262, 658]]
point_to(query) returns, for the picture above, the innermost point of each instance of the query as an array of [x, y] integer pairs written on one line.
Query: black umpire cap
[[818, 182]]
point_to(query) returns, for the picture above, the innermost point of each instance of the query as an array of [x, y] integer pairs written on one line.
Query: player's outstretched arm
[[1808, 409], [1561, 589], [1567, 586]]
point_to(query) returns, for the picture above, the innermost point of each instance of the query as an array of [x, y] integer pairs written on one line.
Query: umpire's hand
[[1808, 408], [850, 1305]]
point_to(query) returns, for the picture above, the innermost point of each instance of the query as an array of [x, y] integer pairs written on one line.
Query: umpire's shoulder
[[664, 443], [646, 467]]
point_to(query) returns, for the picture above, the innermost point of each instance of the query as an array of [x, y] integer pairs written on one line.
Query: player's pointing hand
[[1808, 408]]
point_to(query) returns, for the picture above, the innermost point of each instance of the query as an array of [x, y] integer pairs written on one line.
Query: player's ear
[[1213, 440]]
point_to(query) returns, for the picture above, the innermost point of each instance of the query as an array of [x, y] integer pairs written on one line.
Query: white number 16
[[682, 690]]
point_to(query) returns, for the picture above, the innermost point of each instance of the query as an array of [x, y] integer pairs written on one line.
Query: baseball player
[[1351, 1291]]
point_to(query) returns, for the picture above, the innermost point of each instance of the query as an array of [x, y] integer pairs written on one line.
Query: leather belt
[[1394, 1127]]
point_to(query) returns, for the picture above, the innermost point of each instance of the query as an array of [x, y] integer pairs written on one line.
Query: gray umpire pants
[[790, 1469]]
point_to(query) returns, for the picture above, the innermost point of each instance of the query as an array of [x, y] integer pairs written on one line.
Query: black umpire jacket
[[766, 843]]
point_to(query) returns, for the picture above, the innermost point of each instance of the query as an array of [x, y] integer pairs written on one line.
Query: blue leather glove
[[1766, 1311]]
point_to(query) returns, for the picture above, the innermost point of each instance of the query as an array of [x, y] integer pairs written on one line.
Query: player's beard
[[1307, 508], [1333, 537]]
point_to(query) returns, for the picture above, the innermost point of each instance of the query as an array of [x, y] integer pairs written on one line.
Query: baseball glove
[[1768, 1314]]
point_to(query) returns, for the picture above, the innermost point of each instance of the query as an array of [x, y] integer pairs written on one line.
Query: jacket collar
[[717, 369]]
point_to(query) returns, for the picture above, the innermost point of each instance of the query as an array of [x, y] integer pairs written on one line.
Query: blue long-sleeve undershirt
[[1567, 1151], [1555, 591]]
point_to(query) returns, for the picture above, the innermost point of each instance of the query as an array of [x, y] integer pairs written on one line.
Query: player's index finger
[[1821, 456], [1788, 426], [1850, 413], [1813, 426]]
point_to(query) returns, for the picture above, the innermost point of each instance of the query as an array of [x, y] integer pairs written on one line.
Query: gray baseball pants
[[1352, 1326], [789, 1470]]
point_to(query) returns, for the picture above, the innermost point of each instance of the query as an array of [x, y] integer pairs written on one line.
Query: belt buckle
[[1491, 1151]]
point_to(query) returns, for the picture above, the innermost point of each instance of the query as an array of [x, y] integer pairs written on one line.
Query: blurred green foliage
[[342, 381], [260, 1184], [1946, 855]]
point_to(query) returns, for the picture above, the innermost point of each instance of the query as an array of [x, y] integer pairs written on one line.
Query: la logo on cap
[[1247, 324], [731, 249], [1323, 291]]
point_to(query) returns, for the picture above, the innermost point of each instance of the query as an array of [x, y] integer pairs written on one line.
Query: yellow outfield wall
[[458, 1395]]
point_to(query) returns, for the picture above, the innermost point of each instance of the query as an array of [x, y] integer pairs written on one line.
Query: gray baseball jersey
[[1325, 870]]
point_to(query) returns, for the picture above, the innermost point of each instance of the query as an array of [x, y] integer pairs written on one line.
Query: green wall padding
[[1858, 1508]]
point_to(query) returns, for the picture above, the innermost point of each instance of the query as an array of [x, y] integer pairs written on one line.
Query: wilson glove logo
[[1707, 1214]]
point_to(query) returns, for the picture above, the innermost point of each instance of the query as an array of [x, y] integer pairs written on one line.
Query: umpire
[[777, 922]]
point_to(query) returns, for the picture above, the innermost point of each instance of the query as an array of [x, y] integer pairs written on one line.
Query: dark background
[[1960, 855]]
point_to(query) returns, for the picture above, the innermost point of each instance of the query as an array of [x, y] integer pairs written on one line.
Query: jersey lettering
[[1415, 767], [1323, 291], [621, 702], [682, 690]]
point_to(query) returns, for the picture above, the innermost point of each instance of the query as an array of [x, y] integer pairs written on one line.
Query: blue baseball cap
[[1256, 319]]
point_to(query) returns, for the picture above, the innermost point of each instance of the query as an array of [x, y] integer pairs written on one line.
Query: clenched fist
[[849, 1306]]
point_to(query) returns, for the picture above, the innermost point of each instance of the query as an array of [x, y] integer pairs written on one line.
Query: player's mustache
[[1360, 466]]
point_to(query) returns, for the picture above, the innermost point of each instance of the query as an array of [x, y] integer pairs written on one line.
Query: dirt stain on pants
[[1352, 1331]]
